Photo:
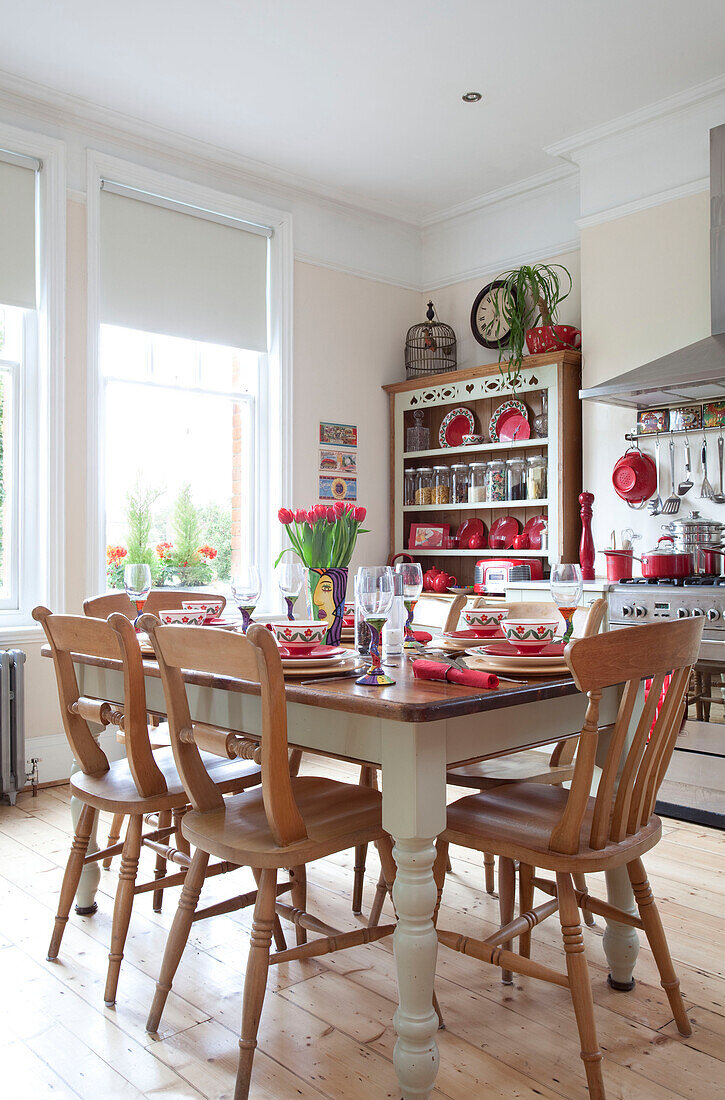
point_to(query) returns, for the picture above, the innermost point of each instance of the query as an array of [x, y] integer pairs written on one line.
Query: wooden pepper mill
[[586, 546]]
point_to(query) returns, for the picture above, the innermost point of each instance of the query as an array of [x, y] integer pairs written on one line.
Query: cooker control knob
[[627, 611], [682, 612], [639, 611], [698, 612], [713, 614]]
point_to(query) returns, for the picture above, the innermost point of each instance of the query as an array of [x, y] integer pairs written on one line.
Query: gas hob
[[647, 601]]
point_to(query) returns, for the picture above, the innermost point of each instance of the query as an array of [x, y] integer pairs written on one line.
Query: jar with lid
[[441, 485], [495, 480], [411, 479], [459, 483], [477, 483], [417, 438], [424, 485], [536, 488], [516, 479]]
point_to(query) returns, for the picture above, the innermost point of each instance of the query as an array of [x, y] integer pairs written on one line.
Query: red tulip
[[338, 508], [285, 516], [319, 511], [360, 514], [331, 517], [300, 515]]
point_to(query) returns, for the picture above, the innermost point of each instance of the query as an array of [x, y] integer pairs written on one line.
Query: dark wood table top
[[408, 700]]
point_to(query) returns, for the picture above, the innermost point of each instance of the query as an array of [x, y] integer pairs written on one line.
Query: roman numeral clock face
[[486, 322]]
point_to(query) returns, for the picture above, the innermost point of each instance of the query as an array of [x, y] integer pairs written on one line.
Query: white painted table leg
[[91, 873], [621, 942], [414, 813]]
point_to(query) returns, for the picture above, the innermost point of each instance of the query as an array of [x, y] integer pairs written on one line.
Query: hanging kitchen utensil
[[655, 505], [706, 489], [686, 485], [672, 503], [719, 498]]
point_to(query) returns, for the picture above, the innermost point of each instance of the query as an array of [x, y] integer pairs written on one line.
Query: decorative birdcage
[[430, 348]]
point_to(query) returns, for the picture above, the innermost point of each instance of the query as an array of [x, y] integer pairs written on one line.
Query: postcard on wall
[[338, 488], [653, 420], [686, 419], [337, 462], [713, 414], [338, 435]]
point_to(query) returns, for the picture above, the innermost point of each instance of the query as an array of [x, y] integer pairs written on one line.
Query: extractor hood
[[695, 373]]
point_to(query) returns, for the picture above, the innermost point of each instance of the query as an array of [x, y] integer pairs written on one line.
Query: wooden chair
[[143, 783], [569, 832], [100, 607], [531, 766], [286, 823]]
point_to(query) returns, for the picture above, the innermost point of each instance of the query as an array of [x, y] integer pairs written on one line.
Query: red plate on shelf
[[470, 527], [506, 649], [455, 425], [310, 653], [512, 416], [503, 532], [533, 528]]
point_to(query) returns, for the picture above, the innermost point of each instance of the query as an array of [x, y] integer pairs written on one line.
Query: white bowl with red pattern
[[530, 636], [212, 608], [180, 616], [301, 635], [485, 621]]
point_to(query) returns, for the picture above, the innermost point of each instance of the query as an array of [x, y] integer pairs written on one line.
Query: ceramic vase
[[326, 591]]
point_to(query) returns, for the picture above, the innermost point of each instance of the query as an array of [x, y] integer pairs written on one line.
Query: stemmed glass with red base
[[566, 586], [137, 582], [412, 574], [374, 593]]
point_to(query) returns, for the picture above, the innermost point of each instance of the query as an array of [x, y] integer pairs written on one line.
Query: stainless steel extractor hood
[[695, 373]]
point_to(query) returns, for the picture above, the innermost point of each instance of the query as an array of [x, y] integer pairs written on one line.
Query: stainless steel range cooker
[[694, 787]]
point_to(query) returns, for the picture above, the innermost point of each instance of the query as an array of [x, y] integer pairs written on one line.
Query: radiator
[[12, 723]]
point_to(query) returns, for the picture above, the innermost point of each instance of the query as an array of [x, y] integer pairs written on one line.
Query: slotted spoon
[[706, 489], [672, 503]]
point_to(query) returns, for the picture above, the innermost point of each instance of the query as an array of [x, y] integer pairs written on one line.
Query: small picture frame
[[428, 536], [686, 419], [338, 488], [338, 462], [337, 435], [650, 421], [713, 414]]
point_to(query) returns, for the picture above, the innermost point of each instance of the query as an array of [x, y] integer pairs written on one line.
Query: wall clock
[[486, 326]]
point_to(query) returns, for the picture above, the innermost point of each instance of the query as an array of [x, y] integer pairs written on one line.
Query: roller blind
[[17, 235], [170, 271]]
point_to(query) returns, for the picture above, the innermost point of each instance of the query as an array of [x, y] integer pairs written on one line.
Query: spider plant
[[530, 295]]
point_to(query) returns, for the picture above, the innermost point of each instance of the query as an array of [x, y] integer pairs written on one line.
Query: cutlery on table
[[655, 505], [337, 676], [719, 498], [706, 489], [672, 503], [686, 485]]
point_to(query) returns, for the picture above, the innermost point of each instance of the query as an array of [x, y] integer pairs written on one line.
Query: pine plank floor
[[326, 1028]]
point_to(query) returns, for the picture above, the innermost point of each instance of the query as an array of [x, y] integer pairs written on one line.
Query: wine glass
[[375, 597], [566, 587], [412, 574], [291, 577], [246, 590], [137, 582]]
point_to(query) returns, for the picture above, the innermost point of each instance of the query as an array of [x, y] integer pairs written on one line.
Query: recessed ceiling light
[[471, 97]]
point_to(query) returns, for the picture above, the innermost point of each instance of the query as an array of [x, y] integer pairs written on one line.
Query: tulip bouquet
[[323, 537]]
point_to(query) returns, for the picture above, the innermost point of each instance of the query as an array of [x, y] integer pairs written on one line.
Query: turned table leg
[[91, 873], [414, 814]]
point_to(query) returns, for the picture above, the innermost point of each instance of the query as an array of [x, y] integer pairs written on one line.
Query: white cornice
[[356, 272], [680, 101], [538, 182], [493, 268], [696, 187]]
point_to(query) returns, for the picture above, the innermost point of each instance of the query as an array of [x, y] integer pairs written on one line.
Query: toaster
[[493, 574]]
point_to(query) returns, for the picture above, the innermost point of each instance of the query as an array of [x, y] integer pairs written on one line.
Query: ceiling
[[366, 97]]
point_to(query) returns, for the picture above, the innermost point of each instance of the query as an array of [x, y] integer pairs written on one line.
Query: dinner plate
[[503, 532], [470, 527], [478, 634], [501, 421], [450, 645], [455, 425], [316, 653], [552, 652], [518, 666], [532, 529], [513, 427], [322, 668]]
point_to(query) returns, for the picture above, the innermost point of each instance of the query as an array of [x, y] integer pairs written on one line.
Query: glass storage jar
[[536, 488], [477, 483], [459, 483], [516, 478], [417, 438], [495, 480], [424, 485], [411, 478], [441, 485]]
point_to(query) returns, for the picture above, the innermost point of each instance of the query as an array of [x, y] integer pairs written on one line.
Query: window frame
[[39, 409], [273, 441]]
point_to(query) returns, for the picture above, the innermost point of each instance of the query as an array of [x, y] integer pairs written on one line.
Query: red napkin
[[468, 677], [422, 636]]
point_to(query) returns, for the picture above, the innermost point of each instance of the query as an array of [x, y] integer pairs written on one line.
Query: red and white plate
[[475, 635], [503, 532], [311, 653], [455, 425], [532, 529], [510, 421], [553, 651]]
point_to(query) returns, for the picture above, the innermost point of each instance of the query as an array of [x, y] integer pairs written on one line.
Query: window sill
[[18, 634]]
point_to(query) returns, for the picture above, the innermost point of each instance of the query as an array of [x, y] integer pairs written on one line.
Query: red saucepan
[[667, 564]]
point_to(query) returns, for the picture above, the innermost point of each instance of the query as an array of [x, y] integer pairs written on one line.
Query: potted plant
[[527, 306]]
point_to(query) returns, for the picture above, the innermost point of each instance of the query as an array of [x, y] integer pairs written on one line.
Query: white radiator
[[12, 723]]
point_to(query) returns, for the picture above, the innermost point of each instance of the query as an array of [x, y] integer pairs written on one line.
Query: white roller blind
[[17, 235], [179, 274]]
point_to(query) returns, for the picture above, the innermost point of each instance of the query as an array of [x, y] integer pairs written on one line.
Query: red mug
[[552, 338]]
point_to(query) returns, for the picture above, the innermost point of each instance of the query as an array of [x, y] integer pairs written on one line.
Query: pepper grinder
[[586, 545]]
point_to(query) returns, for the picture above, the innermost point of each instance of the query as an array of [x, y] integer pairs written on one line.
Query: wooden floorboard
[[327, 1029]]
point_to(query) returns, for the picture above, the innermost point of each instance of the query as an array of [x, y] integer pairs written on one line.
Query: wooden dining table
[[413, 730]]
